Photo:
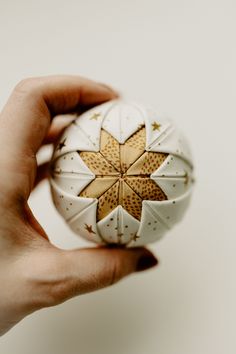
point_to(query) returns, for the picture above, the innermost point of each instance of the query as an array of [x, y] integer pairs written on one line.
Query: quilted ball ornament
[[121, 174]]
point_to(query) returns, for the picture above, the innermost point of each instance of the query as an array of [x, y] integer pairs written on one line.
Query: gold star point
[[95, 116], [89, 229], [122, 174], [156, 126], [140, 126]]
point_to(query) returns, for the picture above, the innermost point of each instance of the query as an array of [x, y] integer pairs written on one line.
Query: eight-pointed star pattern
[[122, 174]]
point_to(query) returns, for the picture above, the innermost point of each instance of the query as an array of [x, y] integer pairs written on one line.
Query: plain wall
[[180, 57]]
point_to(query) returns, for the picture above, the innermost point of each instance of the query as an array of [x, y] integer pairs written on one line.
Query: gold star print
[[61, 145], [156, 126], [95, 116], [89, 229], [122, 174]]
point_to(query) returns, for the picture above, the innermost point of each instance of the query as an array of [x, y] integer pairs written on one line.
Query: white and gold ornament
[[121, 174]]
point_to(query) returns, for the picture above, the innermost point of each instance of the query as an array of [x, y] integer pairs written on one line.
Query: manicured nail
[[146, 262]]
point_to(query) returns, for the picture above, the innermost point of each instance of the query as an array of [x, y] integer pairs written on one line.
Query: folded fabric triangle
[[71, 163], [84, 223], [150, 230], [174, 176], [169, 212], [73, 139], [122, 120], [91, 122], [67, 204], [118, 226], [173, 142]]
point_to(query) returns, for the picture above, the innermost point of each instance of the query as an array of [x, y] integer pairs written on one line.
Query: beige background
[[181, 57]]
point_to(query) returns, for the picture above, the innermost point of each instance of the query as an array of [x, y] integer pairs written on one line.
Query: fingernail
[[146, 262]]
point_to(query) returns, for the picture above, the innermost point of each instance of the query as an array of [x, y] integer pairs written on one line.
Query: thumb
[[90, 269]]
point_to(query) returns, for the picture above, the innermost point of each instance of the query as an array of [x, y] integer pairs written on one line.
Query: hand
[[33, 272]]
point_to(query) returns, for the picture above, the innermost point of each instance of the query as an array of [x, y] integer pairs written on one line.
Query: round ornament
[[121, 173]]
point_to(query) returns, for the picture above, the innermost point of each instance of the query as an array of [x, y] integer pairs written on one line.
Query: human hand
[[33, 272]]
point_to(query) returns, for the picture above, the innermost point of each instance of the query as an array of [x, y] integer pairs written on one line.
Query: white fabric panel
[[172, 187], [131, 119], [90, 122], [173, 166], [84, 223], [72, 184], [67, 204], [173, 142], [152, 121], [128, 225], [169, 212], [72, 163], [73, 139], [118, 226], [108, 226], [151, 228], [174, 176], [122, 120]]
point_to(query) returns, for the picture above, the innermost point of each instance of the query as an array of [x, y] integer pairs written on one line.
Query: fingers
[[57, 127], [90, 269], [58, 275], [26, 117], [25, 122]]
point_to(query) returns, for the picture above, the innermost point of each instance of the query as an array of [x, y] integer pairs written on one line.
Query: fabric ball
[[121, 173]]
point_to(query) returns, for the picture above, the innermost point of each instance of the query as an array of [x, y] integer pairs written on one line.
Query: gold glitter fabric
[[122, 174]]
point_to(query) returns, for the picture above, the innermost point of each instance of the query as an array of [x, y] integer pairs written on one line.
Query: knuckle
[[59, 289], [25, 86], [115, 271], [58, 292], [51, 286]]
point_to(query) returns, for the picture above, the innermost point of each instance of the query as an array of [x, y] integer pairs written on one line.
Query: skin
[[33, 272]]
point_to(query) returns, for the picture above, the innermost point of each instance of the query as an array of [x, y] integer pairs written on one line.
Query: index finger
[[26, 116]]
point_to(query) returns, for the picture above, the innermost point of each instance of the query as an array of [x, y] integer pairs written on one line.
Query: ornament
[[121, 173]]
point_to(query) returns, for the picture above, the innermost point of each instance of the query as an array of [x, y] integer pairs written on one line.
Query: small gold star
[[89, 229], [156, 126], [95, 116], [61, 145]]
